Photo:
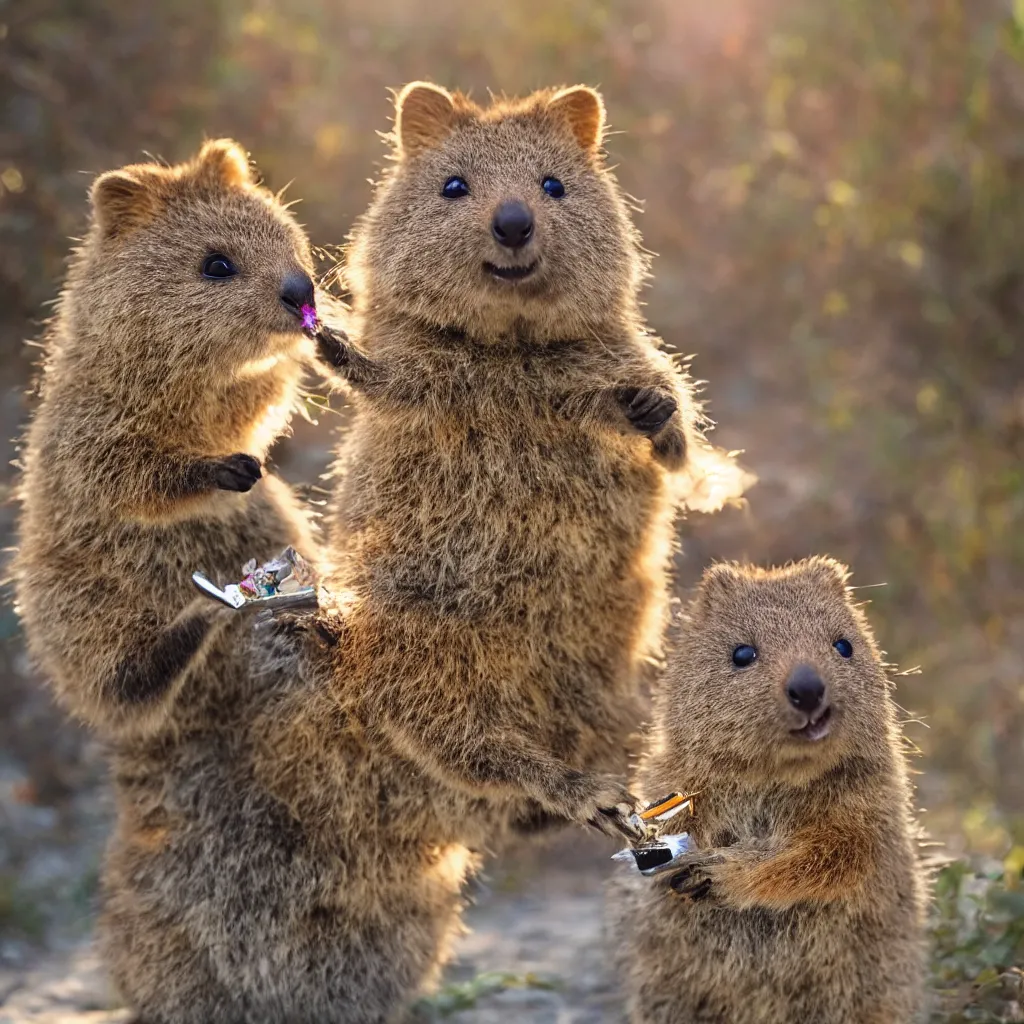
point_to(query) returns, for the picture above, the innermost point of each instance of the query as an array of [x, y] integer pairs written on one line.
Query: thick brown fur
[[503, 520], [157, 384], [498, 516], [160, 389], [805, 899]]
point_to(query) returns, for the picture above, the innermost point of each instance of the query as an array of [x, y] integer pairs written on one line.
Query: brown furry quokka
[[171, 365], [503, 520], [805, 899]]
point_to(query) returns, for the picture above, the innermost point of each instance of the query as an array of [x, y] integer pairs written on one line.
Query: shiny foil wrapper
[[287, 581], [654, 852], [659, 855]]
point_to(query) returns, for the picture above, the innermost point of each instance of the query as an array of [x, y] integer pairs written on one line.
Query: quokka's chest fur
[[496, 497]]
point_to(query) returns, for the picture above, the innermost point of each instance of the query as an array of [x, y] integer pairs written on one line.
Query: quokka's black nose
[[296, 291], [805, 690], [512, 225]]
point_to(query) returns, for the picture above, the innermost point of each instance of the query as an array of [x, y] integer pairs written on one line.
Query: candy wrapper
[[288, 581], [655, 853]]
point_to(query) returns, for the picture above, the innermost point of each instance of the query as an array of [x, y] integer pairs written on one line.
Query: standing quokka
[[172, 364], [805, 898], [504, 520]]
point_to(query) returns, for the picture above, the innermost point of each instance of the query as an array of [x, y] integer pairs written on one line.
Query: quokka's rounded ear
[[124, 200], [583, 110], [828, 571], [718, 583], [424, 117], [224, 162]]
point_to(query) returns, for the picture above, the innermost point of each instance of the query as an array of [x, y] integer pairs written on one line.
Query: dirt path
[[534, 952]]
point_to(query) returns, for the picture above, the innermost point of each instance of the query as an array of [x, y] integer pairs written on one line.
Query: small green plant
[[464, 995], [978, 947]]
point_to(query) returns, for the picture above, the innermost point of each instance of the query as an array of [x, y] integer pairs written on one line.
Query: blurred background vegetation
[[835, 189]]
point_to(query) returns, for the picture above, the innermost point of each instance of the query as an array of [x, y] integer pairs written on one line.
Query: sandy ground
[[534, 951]]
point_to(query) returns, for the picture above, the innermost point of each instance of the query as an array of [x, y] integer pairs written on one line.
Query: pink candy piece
[[309, 318]]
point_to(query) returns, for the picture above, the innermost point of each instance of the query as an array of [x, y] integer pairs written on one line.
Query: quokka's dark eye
[[553, 187], [844, 647], [744, 655], [455, 188], [217, 266]]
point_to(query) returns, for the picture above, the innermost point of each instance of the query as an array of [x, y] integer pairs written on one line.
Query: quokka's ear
[[718, 583], [583, 110], [827, 571], [224, 162], [424, 117], [125, 199]]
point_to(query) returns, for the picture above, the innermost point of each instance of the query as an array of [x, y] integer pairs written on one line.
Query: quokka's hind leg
[[162, 977]]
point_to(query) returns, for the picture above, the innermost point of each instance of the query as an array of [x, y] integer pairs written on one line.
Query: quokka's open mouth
[[816, 729], [510, 273]]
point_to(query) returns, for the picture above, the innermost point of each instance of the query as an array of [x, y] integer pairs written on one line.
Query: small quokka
[[171, 365], [805, 899]]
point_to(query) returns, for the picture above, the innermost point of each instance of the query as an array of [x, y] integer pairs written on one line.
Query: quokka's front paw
[[302, 628], [304, 641], [692, 883], [710, 875], [603, 802], [238, 472], [332, 346], [647, 409]]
